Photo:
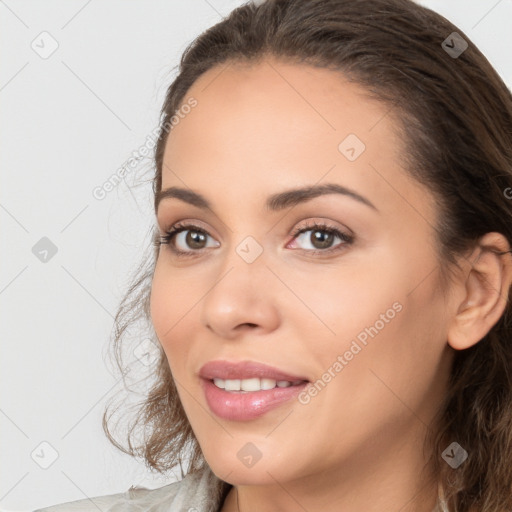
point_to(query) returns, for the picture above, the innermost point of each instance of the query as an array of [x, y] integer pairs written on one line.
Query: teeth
[[254, 384], [232, 385], [220, 383], [249, 384], [268, 383]]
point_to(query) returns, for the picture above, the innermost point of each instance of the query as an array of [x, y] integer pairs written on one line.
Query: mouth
[[246, 390]]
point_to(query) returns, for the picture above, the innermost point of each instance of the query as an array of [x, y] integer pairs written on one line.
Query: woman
[[330, 286]]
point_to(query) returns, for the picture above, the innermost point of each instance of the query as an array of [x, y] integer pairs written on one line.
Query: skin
[[356, 446]]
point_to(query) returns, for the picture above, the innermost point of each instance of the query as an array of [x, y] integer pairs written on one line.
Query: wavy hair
[[455, 118]]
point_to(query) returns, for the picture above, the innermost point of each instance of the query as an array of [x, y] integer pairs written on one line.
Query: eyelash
[[168, 238]]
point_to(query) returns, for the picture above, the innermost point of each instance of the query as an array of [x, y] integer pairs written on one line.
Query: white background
[[68, 123]]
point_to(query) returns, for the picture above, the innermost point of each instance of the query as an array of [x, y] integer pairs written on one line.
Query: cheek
[[343, 303], [170, 298], [379, 317], [166, 307], [173, 306], [398, 367]]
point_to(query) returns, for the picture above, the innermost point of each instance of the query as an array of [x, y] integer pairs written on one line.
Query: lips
[[247, 406], [222, 369]]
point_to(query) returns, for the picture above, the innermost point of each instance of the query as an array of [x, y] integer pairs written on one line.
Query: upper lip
[[222, 369]]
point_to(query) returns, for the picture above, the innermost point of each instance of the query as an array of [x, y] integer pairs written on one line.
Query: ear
[[487, 287]]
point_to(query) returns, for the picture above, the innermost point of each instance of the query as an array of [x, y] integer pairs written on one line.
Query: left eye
[[321, 238]]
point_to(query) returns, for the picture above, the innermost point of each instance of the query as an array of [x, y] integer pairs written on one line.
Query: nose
[[244, 298]]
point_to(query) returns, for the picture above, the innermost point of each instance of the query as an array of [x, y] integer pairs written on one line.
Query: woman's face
[[364, 317]]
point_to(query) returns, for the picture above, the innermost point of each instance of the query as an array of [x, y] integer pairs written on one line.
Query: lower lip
[[238, 406]]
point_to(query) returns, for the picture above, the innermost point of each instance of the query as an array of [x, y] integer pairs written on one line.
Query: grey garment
[[200, 491]]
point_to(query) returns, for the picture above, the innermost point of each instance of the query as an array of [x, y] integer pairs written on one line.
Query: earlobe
[[487, 287]]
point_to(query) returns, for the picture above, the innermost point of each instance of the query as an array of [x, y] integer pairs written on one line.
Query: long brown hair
[[455, 116]]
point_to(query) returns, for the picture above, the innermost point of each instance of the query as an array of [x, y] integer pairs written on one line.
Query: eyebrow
[[275, 202]]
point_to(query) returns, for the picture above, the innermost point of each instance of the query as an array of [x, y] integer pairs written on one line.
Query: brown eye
[[195, 239], [321, 238], [184, 240]]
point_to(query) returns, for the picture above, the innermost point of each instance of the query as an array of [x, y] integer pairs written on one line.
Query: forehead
[[271, 97], [274, 124]]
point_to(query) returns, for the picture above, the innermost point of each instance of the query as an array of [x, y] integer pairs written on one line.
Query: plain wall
[[70, 120]]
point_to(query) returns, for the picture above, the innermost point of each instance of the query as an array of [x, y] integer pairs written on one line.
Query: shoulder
[[200, 489]]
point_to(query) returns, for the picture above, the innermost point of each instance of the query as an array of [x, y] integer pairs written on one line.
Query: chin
[[244, 466]]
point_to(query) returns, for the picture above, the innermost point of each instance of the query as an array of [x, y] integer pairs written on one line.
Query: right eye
[[188, 236]]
